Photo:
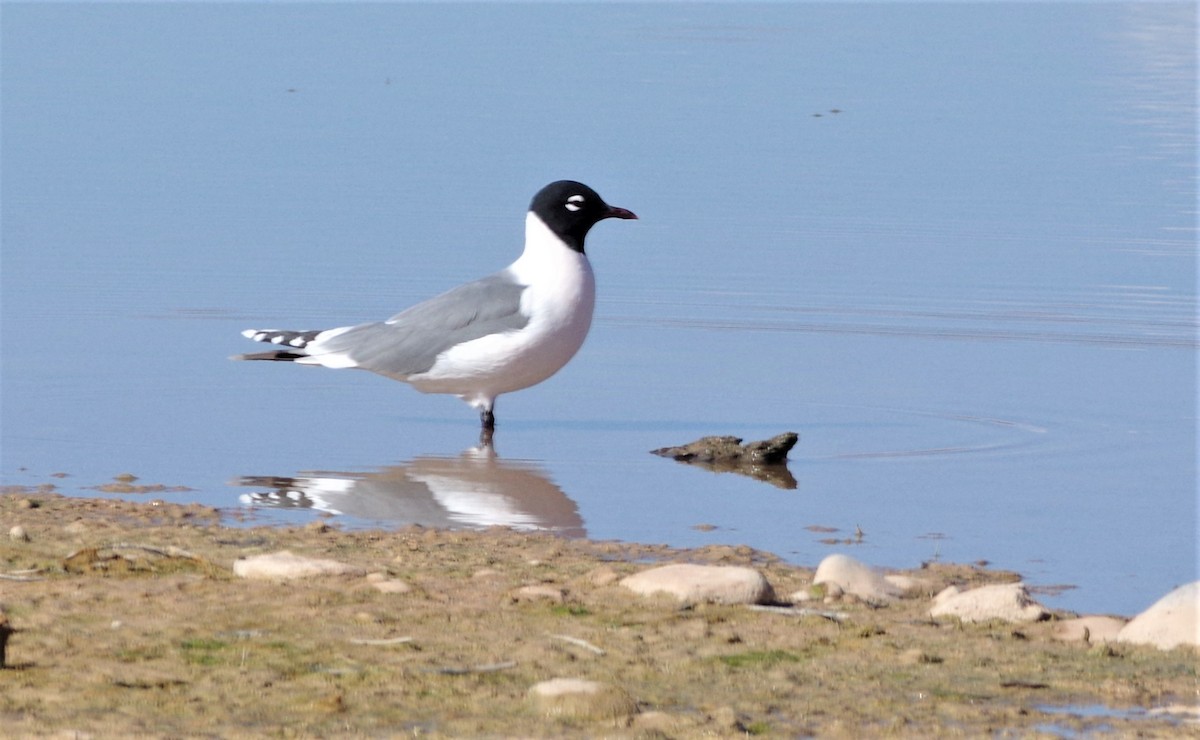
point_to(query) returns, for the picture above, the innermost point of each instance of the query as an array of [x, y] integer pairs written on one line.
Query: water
[[953, 247]]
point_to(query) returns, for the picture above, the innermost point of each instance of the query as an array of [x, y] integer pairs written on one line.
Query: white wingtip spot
[[335, 360], [278, 339], [297, 342]]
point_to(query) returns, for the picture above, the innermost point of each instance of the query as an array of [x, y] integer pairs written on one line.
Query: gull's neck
[[546, 255]]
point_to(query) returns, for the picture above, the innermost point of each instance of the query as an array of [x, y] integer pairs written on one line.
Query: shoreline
[[132, 621]]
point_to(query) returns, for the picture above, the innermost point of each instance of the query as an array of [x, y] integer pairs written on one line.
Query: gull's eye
[[575, 202]]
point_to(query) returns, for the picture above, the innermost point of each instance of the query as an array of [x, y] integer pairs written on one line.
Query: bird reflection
[[475, 489]]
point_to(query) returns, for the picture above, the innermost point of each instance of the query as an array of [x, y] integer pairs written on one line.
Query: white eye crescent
[[574, 203]]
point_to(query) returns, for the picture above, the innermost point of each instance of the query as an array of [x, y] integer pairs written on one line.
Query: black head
[[570, 209]]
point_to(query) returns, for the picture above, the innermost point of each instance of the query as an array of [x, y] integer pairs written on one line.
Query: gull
[[501, 333]]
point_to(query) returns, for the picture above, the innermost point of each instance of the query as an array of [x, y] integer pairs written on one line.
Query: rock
[[1009, 602], [18, 534], [539, 592], [384, 582], [578, 698], [726, 718], [1093, 629], [1171, 621], [727, 449], [391, 586], [603, 576], [765, 460], [908, 585], [283, 565], [854, 577], [720, 584], [662, 724]]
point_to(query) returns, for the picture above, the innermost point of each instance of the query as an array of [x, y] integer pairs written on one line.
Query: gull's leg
[[487, 421]]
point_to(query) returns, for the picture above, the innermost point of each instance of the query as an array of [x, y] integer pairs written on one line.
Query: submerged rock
[[1172, 621], [765, 460], [691, 584], [1009, 602]]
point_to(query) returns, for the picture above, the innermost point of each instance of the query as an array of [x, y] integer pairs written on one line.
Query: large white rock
[[1172, 621], [691, 584], [579, 698], [1009, 602], [283, 566], [855, 577]]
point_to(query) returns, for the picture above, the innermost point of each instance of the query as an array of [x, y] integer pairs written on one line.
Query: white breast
[[559, 300]]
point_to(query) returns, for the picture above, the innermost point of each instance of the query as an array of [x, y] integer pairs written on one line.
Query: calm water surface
[[954, 247]]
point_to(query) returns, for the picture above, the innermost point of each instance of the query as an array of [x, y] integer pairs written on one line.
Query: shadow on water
[[475, 489]]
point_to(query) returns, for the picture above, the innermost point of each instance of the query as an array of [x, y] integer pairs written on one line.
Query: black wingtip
[[279, 355]]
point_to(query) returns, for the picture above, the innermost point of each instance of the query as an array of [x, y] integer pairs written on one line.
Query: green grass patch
[[759, 658], [202, 651]]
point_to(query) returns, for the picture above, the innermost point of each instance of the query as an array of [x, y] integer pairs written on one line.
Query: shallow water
[[971, 289]]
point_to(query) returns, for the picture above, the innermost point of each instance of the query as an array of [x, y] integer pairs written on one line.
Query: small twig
[[796, 611], [487, 668], [392, 641], [11, 577], [581, 643]]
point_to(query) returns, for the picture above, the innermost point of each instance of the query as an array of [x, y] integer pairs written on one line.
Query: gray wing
[[410, 342]]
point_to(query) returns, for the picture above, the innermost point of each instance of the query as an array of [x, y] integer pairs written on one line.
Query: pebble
[[284, 565], [727, 719], [855, 578], [579, 698], [389, 585], [539, 592], [917, 656], [1172, 621], [1009, 602], [75, 527], [720, 584]]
